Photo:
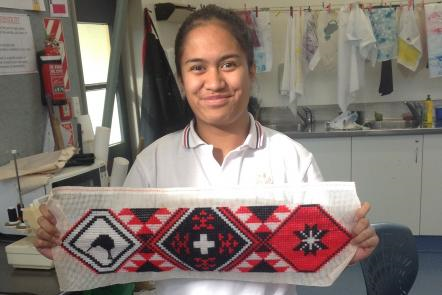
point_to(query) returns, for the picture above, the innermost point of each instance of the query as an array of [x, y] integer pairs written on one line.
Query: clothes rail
[[330, 5]]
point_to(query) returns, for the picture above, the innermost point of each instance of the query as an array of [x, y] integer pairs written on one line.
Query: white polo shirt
[[183, 159]]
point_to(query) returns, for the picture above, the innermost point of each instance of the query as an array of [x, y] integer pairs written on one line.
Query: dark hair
[[233, 23]]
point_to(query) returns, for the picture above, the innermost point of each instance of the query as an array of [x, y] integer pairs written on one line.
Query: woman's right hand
[[47, 236]]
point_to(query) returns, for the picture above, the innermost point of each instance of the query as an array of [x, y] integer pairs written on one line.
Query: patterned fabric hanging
[[282, 234]]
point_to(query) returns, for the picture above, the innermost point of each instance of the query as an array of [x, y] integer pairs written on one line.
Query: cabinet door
[[387, 173], [431, 206], [333, 156]]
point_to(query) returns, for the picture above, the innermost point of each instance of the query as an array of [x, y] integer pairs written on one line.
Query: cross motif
[[203, 244]]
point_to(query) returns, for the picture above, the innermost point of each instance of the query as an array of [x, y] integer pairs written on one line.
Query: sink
[[391, 124], [284, 127]]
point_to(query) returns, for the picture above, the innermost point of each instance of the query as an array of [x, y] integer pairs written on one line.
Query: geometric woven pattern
[[100, 241], [246, 239], [276, 233]]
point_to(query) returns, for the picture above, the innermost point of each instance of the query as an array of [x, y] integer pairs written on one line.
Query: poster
[[17, 51], [36, 5]]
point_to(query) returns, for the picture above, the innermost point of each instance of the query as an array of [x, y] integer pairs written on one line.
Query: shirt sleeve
[[136, 178], [313, 173]]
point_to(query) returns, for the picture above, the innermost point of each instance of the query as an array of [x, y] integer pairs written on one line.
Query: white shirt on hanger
[[292, 82], [356, 43]]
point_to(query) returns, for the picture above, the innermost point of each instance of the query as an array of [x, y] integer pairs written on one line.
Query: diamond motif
[[101, 241], [265, 239], [203, 239], [293, 239]]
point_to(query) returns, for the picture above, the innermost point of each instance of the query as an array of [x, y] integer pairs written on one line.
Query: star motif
[[310, 239]]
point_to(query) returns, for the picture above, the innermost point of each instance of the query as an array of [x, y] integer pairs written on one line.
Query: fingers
[[362, 232], [364, 235], [371, 242], [362, 212], [360, 226], [42, 243], [47, 235], [47, 214]]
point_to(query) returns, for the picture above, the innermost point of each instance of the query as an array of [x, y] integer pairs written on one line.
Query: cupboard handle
[[417, 150]]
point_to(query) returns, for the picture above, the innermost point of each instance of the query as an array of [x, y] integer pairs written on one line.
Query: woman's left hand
[[364, 236]]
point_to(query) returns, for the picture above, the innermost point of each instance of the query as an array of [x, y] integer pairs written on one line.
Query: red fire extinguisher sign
[[53, 79]]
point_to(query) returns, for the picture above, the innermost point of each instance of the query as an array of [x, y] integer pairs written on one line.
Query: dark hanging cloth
[[386, 84], [163, 110]]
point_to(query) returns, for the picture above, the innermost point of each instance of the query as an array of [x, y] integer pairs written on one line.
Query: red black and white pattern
[[246, 239], [54, 29]]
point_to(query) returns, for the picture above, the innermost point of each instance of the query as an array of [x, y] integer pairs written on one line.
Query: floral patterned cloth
[[383, 21], [433, 14]]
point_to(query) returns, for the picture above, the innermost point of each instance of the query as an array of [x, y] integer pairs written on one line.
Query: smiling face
[[216, 77]]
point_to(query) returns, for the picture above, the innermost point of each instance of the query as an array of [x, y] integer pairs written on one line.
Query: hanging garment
[[292, 82], [409, 44], [327, 32], [386, 84], [162, 109], [310, 45], [433, 13], [260, 26], [420, 20], [383, 21], [288, 234], [355, 45], [264, 53]]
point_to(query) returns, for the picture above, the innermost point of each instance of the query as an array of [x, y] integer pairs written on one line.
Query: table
[[30, 281]]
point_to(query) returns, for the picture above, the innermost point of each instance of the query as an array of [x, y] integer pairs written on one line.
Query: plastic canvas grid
[[281, 234]]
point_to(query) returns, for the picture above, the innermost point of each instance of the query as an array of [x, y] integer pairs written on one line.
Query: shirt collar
[[254, 140]]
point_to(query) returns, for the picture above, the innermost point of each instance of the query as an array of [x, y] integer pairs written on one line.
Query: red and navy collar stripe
[[186, 136], [259, 135]]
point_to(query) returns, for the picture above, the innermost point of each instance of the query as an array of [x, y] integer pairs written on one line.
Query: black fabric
[[162, 109], [386, 85]]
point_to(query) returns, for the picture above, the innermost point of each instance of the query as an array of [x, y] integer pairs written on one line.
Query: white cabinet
[[431, 205], [387, 173], [333, 156]]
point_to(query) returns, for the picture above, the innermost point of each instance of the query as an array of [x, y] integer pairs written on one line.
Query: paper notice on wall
[[58, 8], [17, 51], [67, 131], [36, 5]]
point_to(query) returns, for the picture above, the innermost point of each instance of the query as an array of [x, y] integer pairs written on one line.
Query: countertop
[[25, 281], [319, 131]]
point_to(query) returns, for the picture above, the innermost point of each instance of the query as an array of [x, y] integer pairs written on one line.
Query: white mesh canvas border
[[68, 204]]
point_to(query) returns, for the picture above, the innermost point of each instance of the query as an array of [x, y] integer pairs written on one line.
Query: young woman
[[223, 145]]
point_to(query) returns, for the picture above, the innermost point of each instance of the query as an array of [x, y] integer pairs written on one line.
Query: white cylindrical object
[[119, 171], [101, 143], [87, 133]]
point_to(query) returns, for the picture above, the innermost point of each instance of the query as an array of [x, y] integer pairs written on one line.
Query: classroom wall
[[320, 87], [22, 116]]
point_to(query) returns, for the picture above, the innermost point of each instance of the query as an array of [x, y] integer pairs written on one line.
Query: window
[[95, 47]]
